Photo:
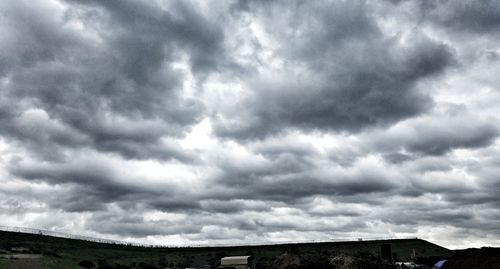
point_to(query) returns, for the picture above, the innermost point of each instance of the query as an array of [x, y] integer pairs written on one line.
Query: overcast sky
[[180, 122]]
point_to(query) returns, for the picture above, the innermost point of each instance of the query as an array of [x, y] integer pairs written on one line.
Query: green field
[[58, 253]]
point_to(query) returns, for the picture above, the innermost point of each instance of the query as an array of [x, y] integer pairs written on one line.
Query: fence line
[[118, 242], [68, 235]]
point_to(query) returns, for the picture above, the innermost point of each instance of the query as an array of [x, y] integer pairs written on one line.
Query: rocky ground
[[330, 261], [484, 258]]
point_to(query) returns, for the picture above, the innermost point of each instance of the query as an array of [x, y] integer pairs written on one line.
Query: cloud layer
[[251, 121]]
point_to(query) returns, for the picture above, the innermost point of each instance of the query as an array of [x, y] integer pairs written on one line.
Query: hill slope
[[53, 252]]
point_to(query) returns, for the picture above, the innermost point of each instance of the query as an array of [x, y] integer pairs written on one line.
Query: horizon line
[[66, 235]]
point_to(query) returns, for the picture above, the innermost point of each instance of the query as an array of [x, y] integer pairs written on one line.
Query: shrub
[[86, 264]]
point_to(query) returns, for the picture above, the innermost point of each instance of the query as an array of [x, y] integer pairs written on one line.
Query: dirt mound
[[340, 261], [358, 262], [484, 258], [346, 262], [286, 261]]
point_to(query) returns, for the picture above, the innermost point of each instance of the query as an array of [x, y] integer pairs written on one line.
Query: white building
[[238, 262]]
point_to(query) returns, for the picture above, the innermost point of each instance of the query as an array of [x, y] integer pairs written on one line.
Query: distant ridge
[[118, 242], [68, 251]]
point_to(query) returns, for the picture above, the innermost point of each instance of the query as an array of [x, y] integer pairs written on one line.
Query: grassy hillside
[[52, 252]]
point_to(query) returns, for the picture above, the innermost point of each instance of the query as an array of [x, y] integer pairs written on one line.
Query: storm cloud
[[338, 72], [186, 122]]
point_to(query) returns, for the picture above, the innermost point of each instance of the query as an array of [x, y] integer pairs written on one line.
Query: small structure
[[238, 262], [386, 252]]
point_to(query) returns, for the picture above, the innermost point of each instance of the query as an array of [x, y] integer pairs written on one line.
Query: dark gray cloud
[[474, 17], [135, 226], [351, 75], [115, 91], [94, 184], [83, 173], [441, 143], [436, 137], [78, 198], [292, 177], [234, 206], [148, 31]]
